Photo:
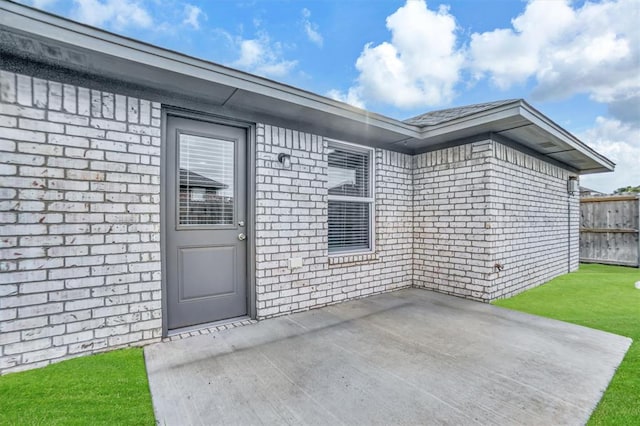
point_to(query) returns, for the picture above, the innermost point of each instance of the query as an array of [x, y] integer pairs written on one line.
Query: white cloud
[[594, 49], [512, 55], [311, 29], [619, 142], [263, 57], [352, 97], [118, 14], [193, 15], [418, 67]]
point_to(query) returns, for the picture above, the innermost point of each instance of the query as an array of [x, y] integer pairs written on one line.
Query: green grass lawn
[[104, 389], [602, 297]]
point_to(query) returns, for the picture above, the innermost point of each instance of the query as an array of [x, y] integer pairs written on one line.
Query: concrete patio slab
[[408, 357]]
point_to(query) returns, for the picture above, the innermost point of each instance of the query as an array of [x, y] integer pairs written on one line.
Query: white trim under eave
[[543, 122], [517, 109]]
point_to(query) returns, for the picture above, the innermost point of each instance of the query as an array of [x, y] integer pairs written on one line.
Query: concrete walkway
[[408, 357]]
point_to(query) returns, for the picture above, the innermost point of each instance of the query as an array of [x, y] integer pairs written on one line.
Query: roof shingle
[[437, 117]]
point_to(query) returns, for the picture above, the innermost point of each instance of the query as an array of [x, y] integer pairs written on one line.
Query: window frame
[[370, 200]]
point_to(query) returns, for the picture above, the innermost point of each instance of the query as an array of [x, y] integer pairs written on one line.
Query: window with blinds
[[350, 198], [206, 181]]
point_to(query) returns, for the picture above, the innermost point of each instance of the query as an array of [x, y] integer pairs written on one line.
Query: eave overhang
[[521, 123], [53, 41]]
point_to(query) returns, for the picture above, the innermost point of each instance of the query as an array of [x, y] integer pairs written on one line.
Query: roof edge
[[67, 31], [498, 104], [532, 114], [520, 107], [506, 110]]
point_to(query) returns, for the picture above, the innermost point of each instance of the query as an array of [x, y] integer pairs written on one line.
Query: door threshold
[[209, 327]]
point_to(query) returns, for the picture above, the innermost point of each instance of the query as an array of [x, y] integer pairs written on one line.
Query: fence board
[[610, 230]]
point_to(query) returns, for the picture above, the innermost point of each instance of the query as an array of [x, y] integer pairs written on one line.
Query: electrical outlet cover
[[295, 262]]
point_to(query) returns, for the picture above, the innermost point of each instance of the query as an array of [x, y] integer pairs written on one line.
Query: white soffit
[[521, 123]]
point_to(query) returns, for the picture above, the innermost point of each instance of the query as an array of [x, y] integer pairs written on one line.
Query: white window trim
[[370, 200]]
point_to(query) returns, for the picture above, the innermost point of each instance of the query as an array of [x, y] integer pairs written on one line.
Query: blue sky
[[578, 62]]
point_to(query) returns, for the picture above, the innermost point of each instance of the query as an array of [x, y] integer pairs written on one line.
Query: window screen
[[206, 181], [350, 198]]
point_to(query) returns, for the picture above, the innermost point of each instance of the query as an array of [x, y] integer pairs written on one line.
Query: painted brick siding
[[79, 218], [80, 222], [452, 241], [292, 208], [485, 204], [530, 215]]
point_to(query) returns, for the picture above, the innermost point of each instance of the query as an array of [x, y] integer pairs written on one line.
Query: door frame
[[250, 128]]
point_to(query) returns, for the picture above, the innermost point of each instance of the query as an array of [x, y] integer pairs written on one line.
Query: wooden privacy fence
[[609, 230]]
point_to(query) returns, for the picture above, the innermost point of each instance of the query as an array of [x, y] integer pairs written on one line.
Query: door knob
[[242, 237]]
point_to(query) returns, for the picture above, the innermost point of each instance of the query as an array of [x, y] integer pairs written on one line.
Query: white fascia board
[[543, 123], [48, 26], [518, 110], [482, 118]]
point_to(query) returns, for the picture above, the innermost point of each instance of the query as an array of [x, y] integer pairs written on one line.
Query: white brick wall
[[79, 221], [490, 221], [292, 222], [80, 233], [452, 235], [530, 210]]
